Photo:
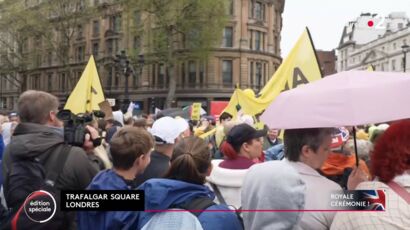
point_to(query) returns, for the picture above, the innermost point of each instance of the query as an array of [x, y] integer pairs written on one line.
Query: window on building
[[38, 60], [11, 99], [201, 73], [79, 31], [231, 7], [153, 75], [116, 23], [192, 73], [135, 80], [393, 65], [227, 72], [137, 18], [81, 4], [50, 82], [80, 53], [36, 82], [116, 79], [96, 28], [50, 58], [3, 103], [96, 49], [258, 74], [161, 75], [258, 40], [63, 81], [115, 45], [192, 38], [251, 39], [136, 42], [183, 74], [400, 25], [37, 41], [110, 47], [24, 45], [228, 37], [265, 74], [394, 46], [276, 45], [109, 78], [258, 11], [251, 74]]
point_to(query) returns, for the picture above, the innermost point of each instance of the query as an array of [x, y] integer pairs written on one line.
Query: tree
[[17, 26], [33, 30], [178, 30], [63, 23]]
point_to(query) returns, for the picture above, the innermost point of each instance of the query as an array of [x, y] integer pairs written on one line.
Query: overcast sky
[[326, 18]]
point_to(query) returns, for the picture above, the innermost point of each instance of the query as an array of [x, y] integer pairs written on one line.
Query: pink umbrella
[[343, 99]]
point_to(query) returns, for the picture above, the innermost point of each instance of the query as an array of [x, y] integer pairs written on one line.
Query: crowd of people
[[225, 170]]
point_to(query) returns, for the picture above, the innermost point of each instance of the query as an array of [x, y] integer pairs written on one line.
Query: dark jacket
[[99, 220], [157, 167], [35, 140], [161, 194]]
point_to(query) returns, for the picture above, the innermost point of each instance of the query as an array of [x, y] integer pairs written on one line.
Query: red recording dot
[[370, 23]]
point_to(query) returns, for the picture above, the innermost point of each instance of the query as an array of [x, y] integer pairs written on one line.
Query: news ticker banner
[[102, 200], [40, 206], [356, 200]]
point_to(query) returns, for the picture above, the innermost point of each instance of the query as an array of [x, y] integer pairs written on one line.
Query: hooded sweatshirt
[[161, 194], [98, 220], [35, 140], [273, 185]]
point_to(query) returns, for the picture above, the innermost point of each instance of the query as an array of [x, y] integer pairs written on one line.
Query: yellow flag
[[299, 67], [370, 68], [208, 134], [196, 111], [88, 92]]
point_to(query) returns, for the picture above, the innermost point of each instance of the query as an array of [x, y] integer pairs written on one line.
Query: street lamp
[[405, 49], [123, 63]]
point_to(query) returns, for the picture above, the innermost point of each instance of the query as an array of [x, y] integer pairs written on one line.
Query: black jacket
[[34, 140]]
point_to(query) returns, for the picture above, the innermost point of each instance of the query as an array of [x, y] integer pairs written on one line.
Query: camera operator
[[40, 135]]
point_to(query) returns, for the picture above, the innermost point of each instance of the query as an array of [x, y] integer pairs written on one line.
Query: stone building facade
[[249, 54]]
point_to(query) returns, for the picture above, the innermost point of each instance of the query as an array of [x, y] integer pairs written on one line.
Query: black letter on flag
[[298, 80]]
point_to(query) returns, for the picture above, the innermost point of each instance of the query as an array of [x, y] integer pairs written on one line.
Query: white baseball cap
[[167, 129]]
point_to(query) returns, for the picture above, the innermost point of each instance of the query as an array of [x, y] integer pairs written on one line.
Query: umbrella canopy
[[343, 99]]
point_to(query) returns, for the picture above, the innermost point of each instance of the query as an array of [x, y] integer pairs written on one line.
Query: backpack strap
[[400, 191], [217, 193], [238, 214], [58, 166], [197, 205]]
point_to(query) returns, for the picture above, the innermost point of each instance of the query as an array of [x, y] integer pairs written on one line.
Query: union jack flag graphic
[[376, 199]]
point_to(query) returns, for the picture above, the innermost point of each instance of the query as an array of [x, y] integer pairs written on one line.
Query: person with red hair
[[243, 146], [390, 165]]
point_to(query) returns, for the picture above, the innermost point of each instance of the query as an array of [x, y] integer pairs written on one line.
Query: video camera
[[74, 125]]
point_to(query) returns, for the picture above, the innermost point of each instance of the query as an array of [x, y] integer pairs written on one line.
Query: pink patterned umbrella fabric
[[343, 99]]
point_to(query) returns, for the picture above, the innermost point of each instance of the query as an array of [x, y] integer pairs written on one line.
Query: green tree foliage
[[31, 31], [179, 30]]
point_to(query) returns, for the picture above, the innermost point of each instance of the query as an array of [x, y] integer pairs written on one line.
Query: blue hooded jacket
[[160, 194], [99, 220]]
